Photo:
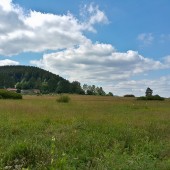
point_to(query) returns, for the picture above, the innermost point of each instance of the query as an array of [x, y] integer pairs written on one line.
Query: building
[[30, 91], [12, 89]]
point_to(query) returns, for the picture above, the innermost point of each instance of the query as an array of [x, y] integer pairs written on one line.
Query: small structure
[[12, 89], [30, 91], [36, 91]]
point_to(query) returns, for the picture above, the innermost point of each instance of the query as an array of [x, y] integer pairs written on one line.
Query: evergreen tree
[[149, 92]]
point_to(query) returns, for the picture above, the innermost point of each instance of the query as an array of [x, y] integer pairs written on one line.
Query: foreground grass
[[87, 133]]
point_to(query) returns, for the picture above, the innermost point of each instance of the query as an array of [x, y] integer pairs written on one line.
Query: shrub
[[9, 95], [129, 95], [156, 97], [18, 90], [63, 99]]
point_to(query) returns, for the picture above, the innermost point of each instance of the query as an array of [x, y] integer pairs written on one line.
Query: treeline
[[93, 90], [29, 77]]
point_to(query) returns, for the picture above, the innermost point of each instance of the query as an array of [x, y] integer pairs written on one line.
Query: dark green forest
[[29, 77]]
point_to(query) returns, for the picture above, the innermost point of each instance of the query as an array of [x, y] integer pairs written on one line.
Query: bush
[[156, 97], [129, 95], [63, 99], [9, 95]]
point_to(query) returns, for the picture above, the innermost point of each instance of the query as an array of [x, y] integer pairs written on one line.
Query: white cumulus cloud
[[97, 63], [36, 32], [6, 5], [91, 16], [8, 62]]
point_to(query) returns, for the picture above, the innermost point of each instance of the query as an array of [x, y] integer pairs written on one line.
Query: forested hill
[[29, 77]]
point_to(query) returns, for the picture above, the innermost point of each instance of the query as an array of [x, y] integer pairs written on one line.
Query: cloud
[[8, 62], [146, 38], [92, 15], [6, 5], [34, 31], [166, 60], [97, 63], [138, 87]]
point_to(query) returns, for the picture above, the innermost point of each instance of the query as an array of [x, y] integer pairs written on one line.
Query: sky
[[123, 46]]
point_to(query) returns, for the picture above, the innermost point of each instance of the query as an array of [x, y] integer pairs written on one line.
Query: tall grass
[[90, 132]]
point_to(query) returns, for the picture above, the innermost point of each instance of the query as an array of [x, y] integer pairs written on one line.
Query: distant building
[[30, 91], [12, 89], [36, 91]]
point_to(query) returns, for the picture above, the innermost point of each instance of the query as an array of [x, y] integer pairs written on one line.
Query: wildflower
[[53, 138]]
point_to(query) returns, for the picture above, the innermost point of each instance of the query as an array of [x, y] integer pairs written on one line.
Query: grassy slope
[[87, 133]]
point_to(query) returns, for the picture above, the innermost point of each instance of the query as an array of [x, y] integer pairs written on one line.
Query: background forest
[[29, 77]]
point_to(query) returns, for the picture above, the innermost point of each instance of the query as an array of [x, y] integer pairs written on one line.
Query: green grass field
[[89, 132]]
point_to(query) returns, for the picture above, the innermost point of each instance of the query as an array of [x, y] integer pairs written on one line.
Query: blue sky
[[120, 45]]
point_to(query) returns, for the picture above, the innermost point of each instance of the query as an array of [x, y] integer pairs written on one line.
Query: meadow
[[88, 133]]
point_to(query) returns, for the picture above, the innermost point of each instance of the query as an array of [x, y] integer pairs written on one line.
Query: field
[[89, 132]]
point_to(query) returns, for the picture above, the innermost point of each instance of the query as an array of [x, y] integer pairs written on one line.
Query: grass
[[89, 132]]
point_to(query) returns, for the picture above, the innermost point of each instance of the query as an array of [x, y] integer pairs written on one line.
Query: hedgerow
[[4, 94]]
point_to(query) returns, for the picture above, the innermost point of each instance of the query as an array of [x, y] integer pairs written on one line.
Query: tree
[[63, 86], [85, 88], [110, 94], [93, 90], [52, 84], [76, 88], [149, 92], [89, 92], [25, 85], [44, 87], [18, 85], [100, 91]]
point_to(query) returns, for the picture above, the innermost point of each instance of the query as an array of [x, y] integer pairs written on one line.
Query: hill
[[29, 77]]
